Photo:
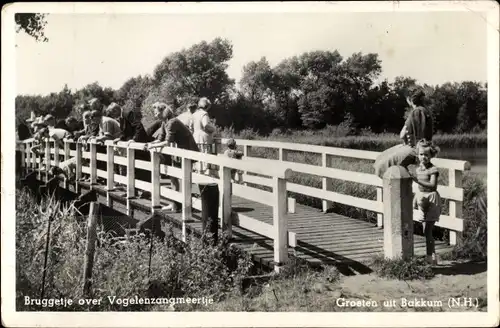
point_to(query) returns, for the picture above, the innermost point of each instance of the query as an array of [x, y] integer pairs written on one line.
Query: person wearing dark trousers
[[132, 130], [172, 131]]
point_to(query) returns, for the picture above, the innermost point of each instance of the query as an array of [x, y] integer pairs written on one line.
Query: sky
[[432, 47]]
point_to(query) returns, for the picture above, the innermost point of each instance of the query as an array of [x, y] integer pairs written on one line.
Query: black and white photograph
[[261, 164]]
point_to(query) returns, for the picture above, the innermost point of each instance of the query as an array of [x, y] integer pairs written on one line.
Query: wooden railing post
[[280, 223], [90, 248], [110, 170], [47, 159], [78, 169], [67, 150], [246, 151], [455, 180], [398, 213], [155, 181], [225, 199], [93, 163], [33, 158], [28, 155], [130, 179], [380, 216], [56, 154], [66, 157], [283, 154], [327, 183], [186, 186]]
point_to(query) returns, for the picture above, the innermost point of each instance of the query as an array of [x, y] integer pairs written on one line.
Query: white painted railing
[[271, 173], [86, 163], [453, 191]]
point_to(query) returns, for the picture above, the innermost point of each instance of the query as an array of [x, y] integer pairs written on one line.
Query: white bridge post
[[280, 223], [130, 179], [398, 213]]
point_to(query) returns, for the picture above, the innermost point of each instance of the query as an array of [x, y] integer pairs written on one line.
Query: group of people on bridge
[[191, 130]]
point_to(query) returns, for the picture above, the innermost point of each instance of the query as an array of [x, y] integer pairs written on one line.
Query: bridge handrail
[[277, 230], [341, 152], [454, 191]]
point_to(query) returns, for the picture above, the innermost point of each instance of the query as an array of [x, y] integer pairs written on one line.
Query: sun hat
[[31, 118]]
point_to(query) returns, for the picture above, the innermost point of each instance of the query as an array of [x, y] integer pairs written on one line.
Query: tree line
[[308, 91]]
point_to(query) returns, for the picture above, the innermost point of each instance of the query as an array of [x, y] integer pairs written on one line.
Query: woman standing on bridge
[[203, 131]]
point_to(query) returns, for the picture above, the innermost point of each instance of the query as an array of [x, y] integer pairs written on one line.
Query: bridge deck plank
[[323, 238]]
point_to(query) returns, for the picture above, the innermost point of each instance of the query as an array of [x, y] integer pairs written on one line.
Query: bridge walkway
[[322, 238]]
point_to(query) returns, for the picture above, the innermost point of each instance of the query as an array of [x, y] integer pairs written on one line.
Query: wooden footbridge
[[259, 214]]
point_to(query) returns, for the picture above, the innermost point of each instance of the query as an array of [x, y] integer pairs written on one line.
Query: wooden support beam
[[455, 180], [78, 171], [110, 169], [93, 163], [155, 181], [225, 194], [327, 183], [90, 248], [280, 223]]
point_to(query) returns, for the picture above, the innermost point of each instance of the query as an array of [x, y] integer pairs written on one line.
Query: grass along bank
[[216, 273], [328, 291], [120, 268], [345, 137]]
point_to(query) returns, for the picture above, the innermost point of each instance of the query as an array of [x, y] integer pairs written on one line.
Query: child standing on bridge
[[232, 152], [427, 199]]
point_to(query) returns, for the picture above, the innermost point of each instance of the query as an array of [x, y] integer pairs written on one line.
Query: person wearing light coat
[[203, 131]]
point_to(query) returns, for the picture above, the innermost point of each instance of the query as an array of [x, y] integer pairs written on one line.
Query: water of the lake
[[476, 156]]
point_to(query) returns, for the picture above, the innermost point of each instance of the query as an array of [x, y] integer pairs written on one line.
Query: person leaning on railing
[[132, 130], [44, 134], [109, 129], [171, 131]]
